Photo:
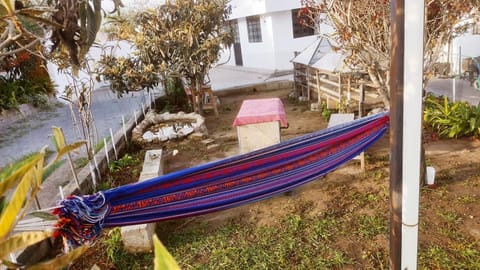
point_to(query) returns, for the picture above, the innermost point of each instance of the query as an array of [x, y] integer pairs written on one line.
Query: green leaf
[[163, 259], [60, 262], [20, 241]]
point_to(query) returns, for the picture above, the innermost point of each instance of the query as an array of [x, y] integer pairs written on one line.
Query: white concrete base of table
[[259, 135]]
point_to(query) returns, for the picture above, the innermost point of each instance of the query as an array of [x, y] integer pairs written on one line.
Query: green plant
[[14, 91], [452, 120], [19, 184], [114, 244], [180, 39], [370, 226], [326, 112], [123, 162]]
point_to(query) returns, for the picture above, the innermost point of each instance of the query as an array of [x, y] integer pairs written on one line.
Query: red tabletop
[[261, 110]]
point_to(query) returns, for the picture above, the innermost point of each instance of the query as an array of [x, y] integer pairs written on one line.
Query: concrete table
[[258, 123]]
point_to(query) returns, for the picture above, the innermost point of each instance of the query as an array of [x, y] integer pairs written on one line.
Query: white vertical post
[[106, 150], [62, 195], [150, 99], [97, 168], [92, 173], [135, 116], [113, 144], [124, 129], [453, 89], [143, 109], [412, 124]]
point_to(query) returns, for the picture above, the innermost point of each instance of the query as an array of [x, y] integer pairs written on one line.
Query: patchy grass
[[340, 221]]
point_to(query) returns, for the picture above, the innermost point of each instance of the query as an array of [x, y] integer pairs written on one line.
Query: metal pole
[[396, 130]]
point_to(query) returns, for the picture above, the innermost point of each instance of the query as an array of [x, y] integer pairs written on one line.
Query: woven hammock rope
[[220, 184]]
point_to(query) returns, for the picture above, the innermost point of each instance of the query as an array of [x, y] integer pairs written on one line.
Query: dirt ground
[[454, 200], [455, 159]]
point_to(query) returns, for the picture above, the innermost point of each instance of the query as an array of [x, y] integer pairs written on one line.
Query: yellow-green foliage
[[19, 184]]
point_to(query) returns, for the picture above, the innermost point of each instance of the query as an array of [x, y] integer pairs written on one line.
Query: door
[[237, 48]]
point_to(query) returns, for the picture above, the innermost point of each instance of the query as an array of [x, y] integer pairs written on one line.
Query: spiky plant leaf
[[163, 259], [60, 262], [43, 215], [9, 6], [10, 214], [10, 264], [20, 241], [68, 148], [59, 137], [13, 175]]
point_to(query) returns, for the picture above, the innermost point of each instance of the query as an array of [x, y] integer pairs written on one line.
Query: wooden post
[[319, 100], [307, 75], [360, 115]]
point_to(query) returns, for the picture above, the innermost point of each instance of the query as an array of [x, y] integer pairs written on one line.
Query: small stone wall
[[167, 126]]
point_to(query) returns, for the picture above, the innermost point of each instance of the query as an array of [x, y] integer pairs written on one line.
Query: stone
[[185, 131], [197, 136], [208, 141], [148, 136], [212, 147], [184, 125]]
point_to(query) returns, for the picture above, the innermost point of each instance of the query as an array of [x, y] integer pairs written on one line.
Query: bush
[[14, 92], [452, 120]]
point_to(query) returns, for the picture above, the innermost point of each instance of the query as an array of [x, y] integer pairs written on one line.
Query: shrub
[[452, 120], [14, 92]]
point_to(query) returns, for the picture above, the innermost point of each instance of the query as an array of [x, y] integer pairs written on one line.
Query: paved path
[[29, 134], [463, 90]]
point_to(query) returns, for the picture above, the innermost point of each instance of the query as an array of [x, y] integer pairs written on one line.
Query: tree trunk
[[199, 95], [382, 85]]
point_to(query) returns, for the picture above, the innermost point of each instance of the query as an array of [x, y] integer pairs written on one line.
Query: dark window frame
[[254, 29], [299, 29]]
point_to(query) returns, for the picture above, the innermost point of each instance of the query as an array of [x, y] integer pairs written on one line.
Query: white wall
[[284, 43], [277, 46], [281, 5], [257, 54], [245, 8]]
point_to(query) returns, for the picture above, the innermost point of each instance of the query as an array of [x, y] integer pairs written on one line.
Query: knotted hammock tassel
[[81, 218]]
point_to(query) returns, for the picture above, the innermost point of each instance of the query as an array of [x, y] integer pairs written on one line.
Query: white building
[[268, 34]]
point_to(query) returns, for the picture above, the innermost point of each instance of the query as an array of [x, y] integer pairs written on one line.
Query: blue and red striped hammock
[[220, 184]]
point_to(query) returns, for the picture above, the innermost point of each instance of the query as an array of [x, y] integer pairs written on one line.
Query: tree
[[73, 26], [25, 27], [362, 32], [180, 39]]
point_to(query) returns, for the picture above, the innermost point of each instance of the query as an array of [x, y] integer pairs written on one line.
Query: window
[[254, 29], [299, 25]]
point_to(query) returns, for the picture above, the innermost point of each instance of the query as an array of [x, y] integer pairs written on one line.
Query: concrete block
[[138, 238], [259, 135]]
